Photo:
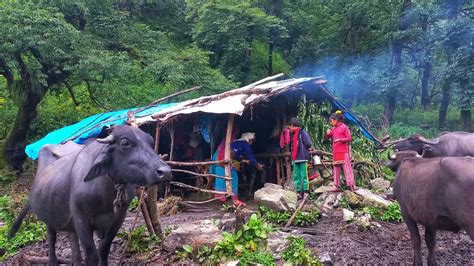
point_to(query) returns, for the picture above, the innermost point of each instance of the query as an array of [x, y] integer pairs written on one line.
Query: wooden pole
[[143, 206], [174, 163], [151, 200], [228, 165], [197, 174], [179, 184], [305, 198]]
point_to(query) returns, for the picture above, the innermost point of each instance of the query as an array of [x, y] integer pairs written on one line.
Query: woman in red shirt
[[341, 137]]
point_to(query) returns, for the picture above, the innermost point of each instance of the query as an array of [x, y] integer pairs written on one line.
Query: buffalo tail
[[16, 224]]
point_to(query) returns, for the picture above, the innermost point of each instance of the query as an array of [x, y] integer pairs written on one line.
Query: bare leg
[[430, 239], [415, 239], [51, 233], [85, 235], [75, 249]]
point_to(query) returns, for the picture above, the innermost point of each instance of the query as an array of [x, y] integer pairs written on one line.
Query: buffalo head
[[127, 156], [395, 160], [415, 143]]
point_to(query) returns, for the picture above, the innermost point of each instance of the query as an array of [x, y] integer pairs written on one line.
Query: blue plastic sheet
[[89, 127]]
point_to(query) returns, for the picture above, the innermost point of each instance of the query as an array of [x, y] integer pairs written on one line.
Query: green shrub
[[298, 254], [30, 231], [139, 240], [281, 217], [392, 214]]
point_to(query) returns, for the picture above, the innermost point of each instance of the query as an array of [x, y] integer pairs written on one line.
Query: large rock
[[316, 183], [323, 189], [329, 200], [276, 198], [372, 200], [380, 184], [289, 185], [347, 215], [196, 234], [325, 259], [277, 243], [352, 198]]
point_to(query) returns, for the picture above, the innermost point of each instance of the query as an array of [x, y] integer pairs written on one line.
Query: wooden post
[[278, 170], [168, 188], [151, 200], [228, 165], [143, 205]]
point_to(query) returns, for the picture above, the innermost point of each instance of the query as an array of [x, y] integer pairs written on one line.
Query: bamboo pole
[[179, 184], [305, 198], [228, 165], [175, 163], [197, 174]]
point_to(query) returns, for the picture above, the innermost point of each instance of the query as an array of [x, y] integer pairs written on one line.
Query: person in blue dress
[[241, 153]]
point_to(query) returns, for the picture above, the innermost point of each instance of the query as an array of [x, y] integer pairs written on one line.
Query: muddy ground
[[347, 244]]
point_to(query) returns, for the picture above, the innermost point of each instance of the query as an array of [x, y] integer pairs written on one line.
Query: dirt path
[[389, 243]]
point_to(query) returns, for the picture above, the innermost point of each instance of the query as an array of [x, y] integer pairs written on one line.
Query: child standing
[[341, 137], [300, 145]]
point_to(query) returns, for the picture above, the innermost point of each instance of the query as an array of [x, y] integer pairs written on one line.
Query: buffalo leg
[[104, 246], [75, 249], [85, 234], [415, 239], [52, 233], [430, 239]]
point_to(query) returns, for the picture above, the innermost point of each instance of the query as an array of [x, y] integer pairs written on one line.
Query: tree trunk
[[466, 120], [271, 46], [443, 107], [14, 148], [246, 61], [425, 93], [389, 108]]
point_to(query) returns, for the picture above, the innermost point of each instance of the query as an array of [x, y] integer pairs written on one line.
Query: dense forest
[[405, 66]]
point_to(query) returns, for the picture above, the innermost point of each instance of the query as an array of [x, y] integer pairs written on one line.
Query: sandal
[[336, 189], [238, 202], [354, 188]]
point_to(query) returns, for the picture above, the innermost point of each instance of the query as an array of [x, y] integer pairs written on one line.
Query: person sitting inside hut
[[300, 147], [241, 153]]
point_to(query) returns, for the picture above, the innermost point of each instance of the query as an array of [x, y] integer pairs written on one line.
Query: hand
[[337, 141], [328, 132], [259, 167], [246, 161]]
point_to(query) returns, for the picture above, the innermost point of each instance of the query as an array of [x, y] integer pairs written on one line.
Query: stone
[[309, 207], [347, 215], [277, 243], [196, 234], [289, 185], [329, 200], [380, 184], [325, 259], [363, 221], [323, 189], [316, 183], [352, 198], [276, 198], [372, 200]]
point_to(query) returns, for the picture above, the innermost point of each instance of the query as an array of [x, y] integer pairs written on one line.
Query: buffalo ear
[[99, 167], [427, 147]]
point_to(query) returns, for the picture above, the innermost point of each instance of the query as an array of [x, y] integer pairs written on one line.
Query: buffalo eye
[[125, 143]]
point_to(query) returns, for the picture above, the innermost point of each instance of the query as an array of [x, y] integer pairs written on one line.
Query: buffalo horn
[[107, 140], [427, 141], [391, 157]]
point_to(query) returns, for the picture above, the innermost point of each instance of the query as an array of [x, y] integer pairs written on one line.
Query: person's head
[[336, 118], [249, 137], [294, 123]]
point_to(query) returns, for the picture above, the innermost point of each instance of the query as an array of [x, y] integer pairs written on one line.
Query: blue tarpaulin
[[88, 128]]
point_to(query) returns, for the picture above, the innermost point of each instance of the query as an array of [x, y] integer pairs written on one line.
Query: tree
[[37, 51]]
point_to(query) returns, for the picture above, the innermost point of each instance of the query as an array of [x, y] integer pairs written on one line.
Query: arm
[[306, 139], [249, 154], [328, 134], [347, 135]]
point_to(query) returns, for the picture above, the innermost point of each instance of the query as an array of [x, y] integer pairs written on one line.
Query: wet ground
[[346, 244]]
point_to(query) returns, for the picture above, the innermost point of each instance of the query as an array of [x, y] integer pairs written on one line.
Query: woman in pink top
[[341, 137]]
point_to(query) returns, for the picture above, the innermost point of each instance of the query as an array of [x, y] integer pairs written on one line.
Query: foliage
[[134, 204], [392, 214], [257, 257], [139, 240], [30, 231], [298, 254], [243, 243], [281, 217]]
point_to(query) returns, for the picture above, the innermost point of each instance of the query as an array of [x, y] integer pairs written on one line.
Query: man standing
[[300, 146]]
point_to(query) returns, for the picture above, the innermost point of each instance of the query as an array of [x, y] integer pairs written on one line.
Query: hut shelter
[[189, 132]]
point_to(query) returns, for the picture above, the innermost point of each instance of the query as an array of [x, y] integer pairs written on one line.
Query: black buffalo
[[455, 144], [88, 189], [436, 193]]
